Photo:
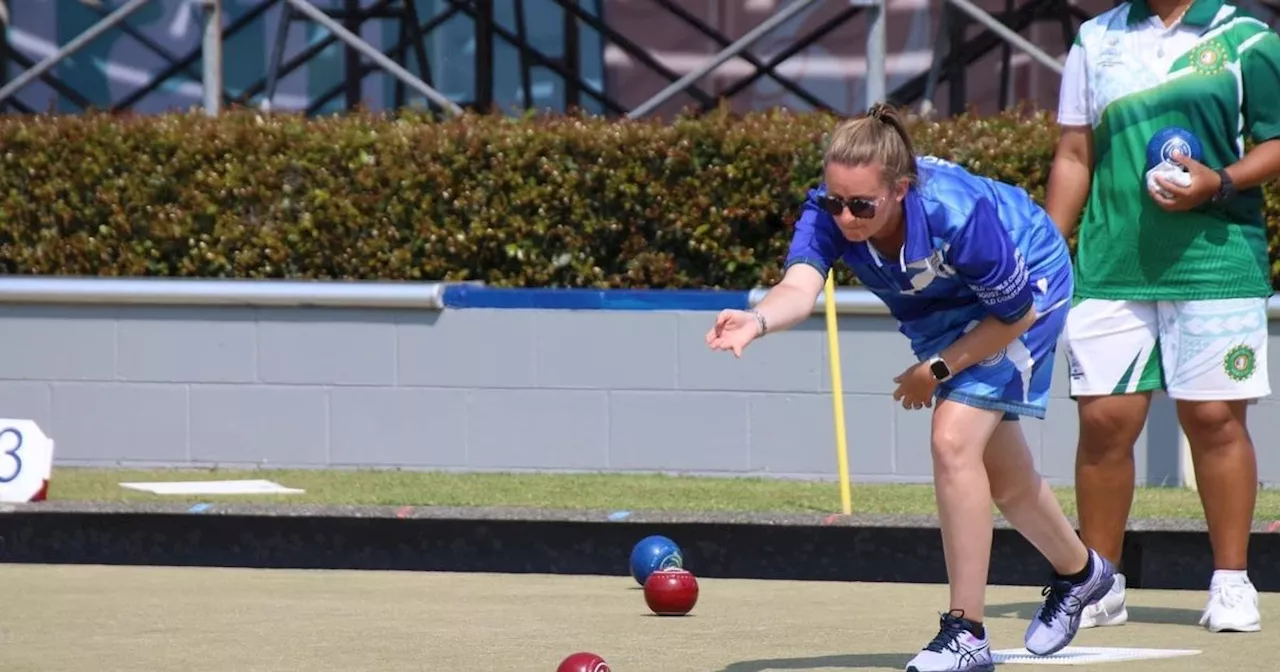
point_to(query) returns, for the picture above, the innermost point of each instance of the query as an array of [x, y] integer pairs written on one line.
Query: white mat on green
[[1086, 655]]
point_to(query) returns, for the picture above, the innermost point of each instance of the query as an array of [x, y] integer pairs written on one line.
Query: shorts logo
[[1073, 366], [994, 359], [1239, 363]]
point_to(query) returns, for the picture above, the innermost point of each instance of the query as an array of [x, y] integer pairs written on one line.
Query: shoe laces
[[951, 629], [1058, 600], [1230, 595]]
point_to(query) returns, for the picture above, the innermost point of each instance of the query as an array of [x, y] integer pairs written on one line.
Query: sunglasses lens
[[858, 207], [833, 206], [862, 209]]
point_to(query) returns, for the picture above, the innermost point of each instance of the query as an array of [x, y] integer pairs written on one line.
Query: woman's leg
[[1226, 475], [1114, 350], [1109, 427], [960, 436], [1077, 581], [1081, 577], [1211, 373], [1027, 502]]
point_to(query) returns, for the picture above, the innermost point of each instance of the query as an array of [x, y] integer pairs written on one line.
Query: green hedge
[[538, 201]]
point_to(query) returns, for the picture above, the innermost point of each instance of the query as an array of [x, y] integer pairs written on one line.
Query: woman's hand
[[1204, 184], [734, 329], [916, 386]]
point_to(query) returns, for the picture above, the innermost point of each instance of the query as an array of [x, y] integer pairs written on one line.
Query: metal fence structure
[[622, 58], [619, 58]]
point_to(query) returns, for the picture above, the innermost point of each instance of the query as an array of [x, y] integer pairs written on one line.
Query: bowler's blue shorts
[[1017, 379]]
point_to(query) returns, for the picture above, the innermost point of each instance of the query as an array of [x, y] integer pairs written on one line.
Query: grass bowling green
[[633, 492], [123, 619], [89, 618]]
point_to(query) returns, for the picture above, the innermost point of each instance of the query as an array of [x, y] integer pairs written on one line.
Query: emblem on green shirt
[[1209, 57]]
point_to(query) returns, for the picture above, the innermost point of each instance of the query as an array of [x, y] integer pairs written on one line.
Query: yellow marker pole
[[837, 392]]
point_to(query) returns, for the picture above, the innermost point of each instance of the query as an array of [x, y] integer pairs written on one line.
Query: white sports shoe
[[955, 649], [1110, 610], [1233, 605]]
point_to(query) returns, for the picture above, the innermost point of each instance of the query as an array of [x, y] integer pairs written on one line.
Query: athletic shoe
[[1110, 610], [1058, 619], [955, 649], [1233, 605]]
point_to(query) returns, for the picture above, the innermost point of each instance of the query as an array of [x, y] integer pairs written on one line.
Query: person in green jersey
[[1170, 289]]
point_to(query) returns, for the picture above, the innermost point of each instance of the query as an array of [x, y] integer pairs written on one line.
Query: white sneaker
[[1233, 605], [1110, 610], [955, 649], [1057, 621]]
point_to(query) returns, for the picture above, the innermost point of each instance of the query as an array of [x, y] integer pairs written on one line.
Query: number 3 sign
[[26, 461]]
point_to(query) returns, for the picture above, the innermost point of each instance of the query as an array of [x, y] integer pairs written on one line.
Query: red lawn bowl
[[671, 592], [583, 662]]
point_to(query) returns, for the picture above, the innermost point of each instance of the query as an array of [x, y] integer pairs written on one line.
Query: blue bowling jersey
[[974, 247]]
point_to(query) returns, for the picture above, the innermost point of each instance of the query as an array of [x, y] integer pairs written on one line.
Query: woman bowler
[[980, 281]]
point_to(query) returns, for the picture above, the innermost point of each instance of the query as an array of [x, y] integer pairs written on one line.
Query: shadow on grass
[[1024, 611], [852, 661]]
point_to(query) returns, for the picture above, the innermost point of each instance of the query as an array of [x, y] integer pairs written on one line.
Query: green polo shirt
[[1217, 73]]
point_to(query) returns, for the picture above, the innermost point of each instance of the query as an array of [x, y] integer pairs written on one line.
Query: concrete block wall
[[485, 388]]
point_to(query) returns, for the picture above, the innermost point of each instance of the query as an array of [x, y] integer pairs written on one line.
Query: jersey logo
[[1209, 57], [921, 276], [1112, 55], [927, 270], [938, 262]]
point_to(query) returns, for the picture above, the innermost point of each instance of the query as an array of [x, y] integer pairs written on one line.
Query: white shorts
[[1194, 350]]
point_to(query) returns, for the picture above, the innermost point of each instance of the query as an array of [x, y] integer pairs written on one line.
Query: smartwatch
[[938, 367], [1227, 189]]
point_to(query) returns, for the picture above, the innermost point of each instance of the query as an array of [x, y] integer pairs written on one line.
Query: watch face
[[940, 369]]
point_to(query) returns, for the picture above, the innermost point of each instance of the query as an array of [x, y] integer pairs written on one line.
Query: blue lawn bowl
[[652, 554], [1166, 141]]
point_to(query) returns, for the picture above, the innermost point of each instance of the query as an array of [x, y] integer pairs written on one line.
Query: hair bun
[[882, 112]]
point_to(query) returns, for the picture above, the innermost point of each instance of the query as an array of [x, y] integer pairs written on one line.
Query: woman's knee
[[1109, 426], [956, 447], [1213, 423]]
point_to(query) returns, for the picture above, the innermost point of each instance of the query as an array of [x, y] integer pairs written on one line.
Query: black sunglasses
[[862, 208]]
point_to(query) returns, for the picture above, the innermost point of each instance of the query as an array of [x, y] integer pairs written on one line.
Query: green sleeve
[[1260, 72]]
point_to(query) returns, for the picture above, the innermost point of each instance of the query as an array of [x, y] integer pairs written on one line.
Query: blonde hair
[[880, 137]]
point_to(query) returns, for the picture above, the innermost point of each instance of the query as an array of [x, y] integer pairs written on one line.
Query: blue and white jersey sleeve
[[816, 241], [985, 256]]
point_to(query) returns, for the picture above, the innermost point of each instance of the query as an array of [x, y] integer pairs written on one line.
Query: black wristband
[[1226, 190]]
